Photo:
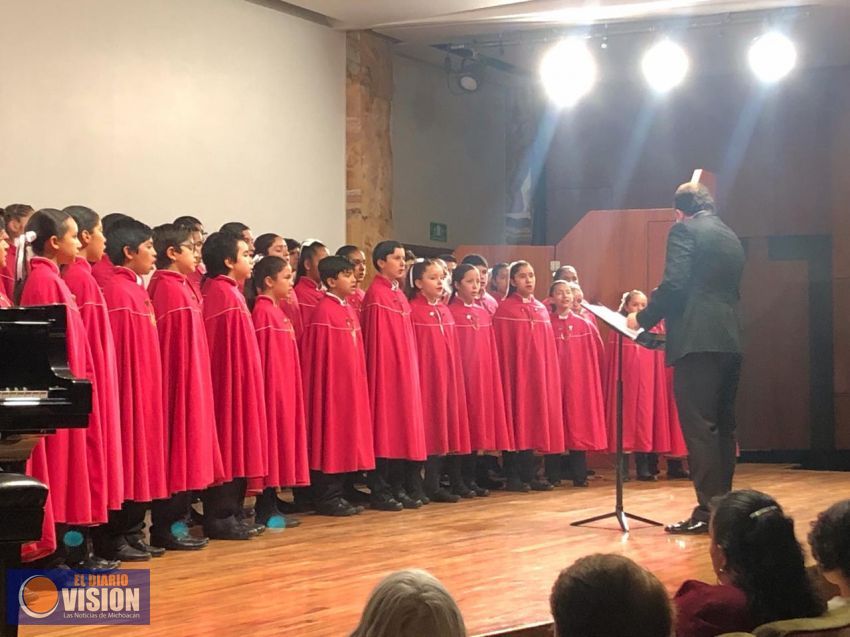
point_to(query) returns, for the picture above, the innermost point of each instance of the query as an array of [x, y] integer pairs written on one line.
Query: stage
[[498, 556]]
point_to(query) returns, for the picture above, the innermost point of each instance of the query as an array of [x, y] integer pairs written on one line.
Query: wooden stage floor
[[498, 556]]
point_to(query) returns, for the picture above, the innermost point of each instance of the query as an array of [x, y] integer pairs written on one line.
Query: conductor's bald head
[[692, 198]]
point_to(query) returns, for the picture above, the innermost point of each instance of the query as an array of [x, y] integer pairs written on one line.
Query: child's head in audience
[[566, 273], [271, 277], [271, 244], [337, 275], [410, 604], [481, 264], [89, 232], [130, 244], [175, 248], [312, 252], [753, 547], [15, 218], [522, 280], [633, 301], [225, 254], [609, 596], [561, 294], [499, 280], [240, 230], [830, 542], [466, 283], [388, 257], [426, 278], [358, 258]]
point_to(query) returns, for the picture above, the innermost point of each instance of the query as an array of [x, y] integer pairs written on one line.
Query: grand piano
[[38, 395]]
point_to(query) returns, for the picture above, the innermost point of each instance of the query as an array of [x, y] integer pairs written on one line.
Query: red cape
[[589, 316], [355, 300], [392, 370], [140, 386], [102, 271], [531, 375], [237, 380], [83, 286], [195, 280], [287, 431], [309, 297], [73, 456], [192, 454], [292, 309], [488, 302], [444, 407], [485, 400], [645, 409], [336, 395], [579, 353]]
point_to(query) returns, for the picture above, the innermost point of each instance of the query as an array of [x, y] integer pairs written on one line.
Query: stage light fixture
[[568, 71], [665, 65], [772, 56]]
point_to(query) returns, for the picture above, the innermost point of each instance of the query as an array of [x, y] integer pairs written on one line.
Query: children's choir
[[243, 367]]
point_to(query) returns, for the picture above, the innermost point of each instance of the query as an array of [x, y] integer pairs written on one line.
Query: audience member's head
[[609, 596], [410, 604], [753, 548], [830, 541]]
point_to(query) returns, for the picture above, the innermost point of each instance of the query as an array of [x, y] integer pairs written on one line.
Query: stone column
[[369, 161]]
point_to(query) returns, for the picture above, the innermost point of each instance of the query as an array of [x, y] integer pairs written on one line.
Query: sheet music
[[612, 318]]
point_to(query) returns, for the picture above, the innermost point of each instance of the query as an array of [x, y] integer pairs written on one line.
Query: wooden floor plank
[[498, 556]]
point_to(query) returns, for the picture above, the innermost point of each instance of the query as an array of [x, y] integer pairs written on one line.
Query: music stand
[[617, 322]]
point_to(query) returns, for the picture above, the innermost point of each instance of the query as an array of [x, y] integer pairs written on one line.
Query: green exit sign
[[439, 232]]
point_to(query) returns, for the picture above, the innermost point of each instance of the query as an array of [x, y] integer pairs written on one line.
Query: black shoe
[[541, 485], [463, 491], [678, 474], [172, 543], [137, 541], [556, 483], [517, 486], [253, 527], [581, 483], [336, 508], [385, 503], [420, 495], [356, 507], [406, 501], [284, 506], [647, 478], [687, 527], [127, 553], [441, 495], [96, 564], [479, 492], [227, 529]]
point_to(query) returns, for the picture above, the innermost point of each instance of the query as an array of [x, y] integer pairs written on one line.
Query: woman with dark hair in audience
[[608, 595], [830, 541], [759, 565]]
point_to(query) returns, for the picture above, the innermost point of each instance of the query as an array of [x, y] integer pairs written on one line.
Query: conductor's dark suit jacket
[[698, 297]]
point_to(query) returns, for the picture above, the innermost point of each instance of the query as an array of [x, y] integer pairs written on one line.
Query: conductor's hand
[[632, 322]]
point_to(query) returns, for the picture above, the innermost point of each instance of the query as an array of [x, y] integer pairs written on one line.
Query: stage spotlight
[[665, 65], [568, 71], [772, 56]]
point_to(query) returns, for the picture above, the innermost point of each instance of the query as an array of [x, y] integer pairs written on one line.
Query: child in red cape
[[532, 378], [308, 285], [358, 258], [192, 455], [339, 417], [237, 378]]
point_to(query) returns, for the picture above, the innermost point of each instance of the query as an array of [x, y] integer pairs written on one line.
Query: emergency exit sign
[[439, 232]]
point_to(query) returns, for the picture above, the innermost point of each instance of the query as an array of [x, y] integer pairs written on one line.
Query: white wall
[[222, 109], [448, 157]]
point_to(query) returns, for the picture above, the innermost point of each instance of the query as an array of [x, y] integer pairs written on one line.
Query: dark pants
[[128, 520], [224, 500], [706, 385], [393, 475], [164, 513], [326, 487], [519, 465]]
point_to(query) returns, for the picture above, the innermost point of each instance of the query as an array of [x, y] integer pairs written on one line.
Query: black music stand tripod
[[617, 322]]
